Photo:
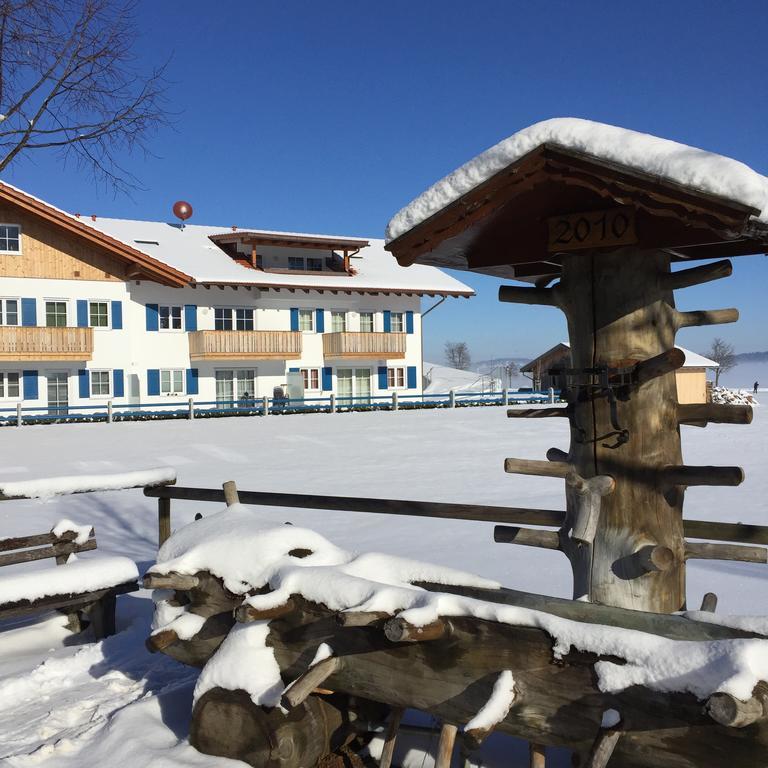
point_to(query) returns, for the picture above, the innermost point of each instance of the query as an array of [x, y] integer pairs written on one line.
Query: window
[[338, 321], [306, 320], [98, 314], [170, 318], [311, 377], [296, 262], [244, 319], [172, 382], [222, 319], [397, 323], [366, 322], [9, 384], [237, 384], [10, 238], [9, 311], [100, 384], [314, 264], [396, 378], [56, 314]]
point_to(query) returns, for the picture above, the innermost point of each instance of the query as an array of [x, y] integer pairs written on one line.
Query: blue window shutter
[[153, 323], [118, 383], [383, 377], [319, 321], [327, 379], [190, 317], [28, 312], [387, 321], [294, 318], [411, 373], [153, 381], [82, 313], [409, 321], [192, 381], [84, 383], [30, 385], [117, 315], [293, 370]]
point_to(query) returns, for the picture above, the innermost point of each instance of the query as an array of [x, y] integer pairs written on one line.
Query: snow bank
[[72, 578], [689, 166], [48, 487]]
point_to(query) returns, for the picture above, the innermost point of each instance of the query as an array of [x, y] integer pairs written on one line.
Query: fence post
[[163, 520], [505, 396], [265, 405], [191, 408], [551, 395], [332, 399], [452, 399], [394, 401], [18, 414], [109, 411]]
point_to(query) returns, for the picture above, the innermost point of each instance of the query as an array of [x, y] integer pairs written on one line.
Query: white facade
[[142, 331]]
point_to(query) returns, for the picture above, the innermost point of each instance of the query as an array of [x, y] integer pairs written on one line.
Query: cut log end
[[398, 630], [732, 712], [161, 640], [655, 558], [247, 613]]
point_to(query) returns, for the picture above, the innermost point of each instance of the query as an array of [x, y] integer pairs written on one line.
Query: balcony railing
[[32, 343], [244, 345], [364, 345]]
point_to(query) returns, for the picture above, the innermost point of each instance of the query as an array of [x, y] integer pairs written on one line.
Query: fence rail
[[110, 411]]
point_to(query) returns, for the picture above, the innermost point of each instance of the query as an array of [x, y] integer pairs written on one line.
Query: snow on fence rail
[[191, 409]]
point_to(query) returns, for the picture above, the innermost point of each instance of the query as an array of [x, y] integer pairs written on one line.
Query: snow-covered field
[[113, 703]]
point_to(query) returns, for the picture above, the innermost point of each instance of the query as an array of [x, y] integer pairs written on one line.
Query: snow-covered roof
[[690, 167], [190, 250], [692, 359]]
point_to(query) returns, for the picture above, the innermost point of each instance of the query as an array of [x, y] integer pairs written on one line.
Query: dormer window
[[10, 238]]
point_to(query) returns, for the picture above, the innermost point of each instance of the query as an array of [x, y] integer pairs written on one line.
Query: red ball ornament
[[182, 210]]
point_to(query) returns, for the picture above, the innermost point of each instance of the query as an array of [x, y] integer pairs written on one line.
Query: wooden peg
[[685, 475], [685, 278], [298, 691], [706, 317], [246, 613], [655, 558], [519, 295], [398, 630], [389, 741], [230, 493], [701, 414], [535, 467], [734, 713], [659, 365], [707, 551], [445, 745], [555, 454], [178, 581], [709, 602], [510, 534]]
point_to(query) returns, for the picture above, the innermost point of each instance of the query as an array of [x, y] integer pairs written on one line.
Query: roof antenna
[[182, 210]]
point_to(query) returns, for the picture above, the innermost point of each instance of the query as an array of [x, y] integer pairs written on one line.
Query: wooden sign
[[592, 229]]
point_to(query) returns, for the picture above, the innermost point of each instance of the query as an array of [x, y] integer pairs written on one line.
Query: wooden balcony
[[19, 343], [244, 345], [364, 345]]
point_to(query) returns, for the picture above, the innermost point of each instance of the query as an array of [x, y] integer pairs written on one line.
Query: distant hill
[[752, 357]]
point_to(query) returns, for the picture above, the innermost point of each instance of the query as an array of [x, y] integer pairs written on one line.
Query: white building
[[138, 312]]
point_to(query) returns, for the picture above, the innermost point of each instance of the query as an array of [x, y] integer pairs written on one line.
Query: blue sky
[[330, 116]]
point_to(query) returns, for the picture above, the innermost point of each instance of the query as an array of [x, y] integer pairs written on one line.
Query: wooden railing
[[33, 343], [352, 344], [244, 345]]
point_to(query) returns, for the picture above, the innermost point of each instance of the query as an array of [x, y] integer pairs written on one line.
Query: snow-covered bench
[[76, 588]]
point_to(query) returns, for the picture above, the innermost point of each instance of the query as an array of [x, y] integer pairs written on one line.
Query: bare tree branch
[[69, 81]]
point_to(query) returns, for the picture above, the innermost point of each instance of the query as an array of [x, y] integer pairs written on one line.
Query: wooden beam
[[300, 689], [507, 534], [701, 414], [246, 613], [537, 413], [178, 581], [603, 748], [738, 532], [706, 317], [389, 740], [519, 295], [706, 551]]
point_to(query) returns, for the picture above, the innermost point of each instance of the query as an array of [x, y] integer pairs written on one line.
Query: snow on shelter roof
[[191, 250], [695, 169]]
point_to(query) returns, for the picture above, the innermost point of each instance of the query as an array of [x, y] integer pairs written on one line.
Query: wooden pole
[[537, 755], [230, 493], [163, 520], [445, 745], [389, 741]]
